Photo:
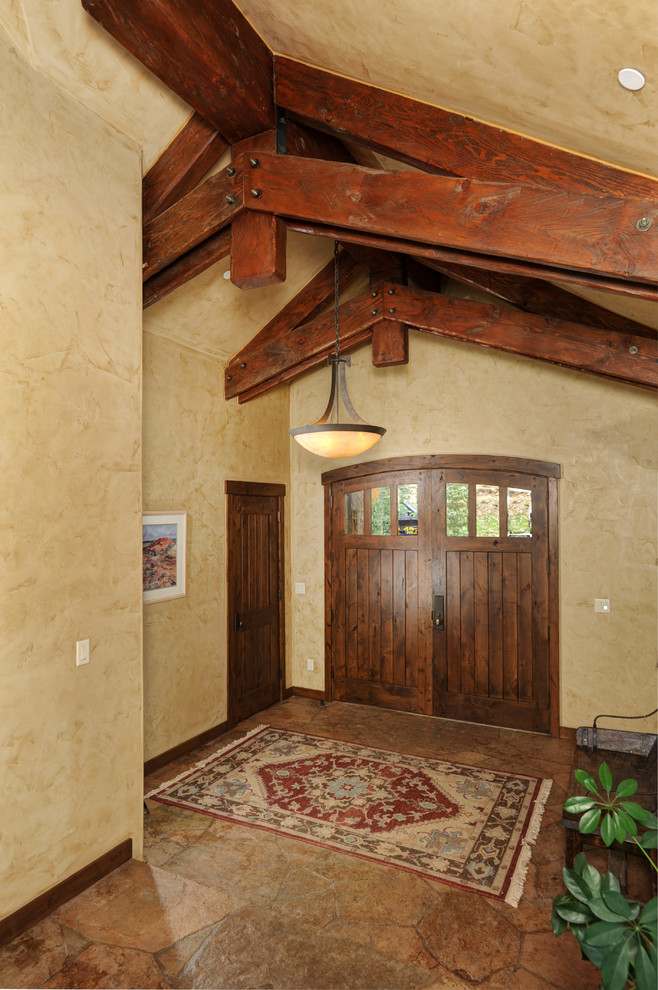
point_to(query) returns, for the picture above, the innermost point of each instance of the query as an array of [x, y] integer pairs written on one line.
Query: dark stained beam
[[535, 296], [430, 254], [438, 140], [206, 51], [594, 350], [277, 339], [258, 250], [194, 218], [187, 267], [183, 163], [535, 224]]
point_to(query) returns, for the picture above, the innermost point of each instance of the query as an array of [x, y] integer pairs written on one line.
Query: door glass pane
[[519, 512], [407, 510], [456, 510], [380, 511], [487, 520], [354, 513]]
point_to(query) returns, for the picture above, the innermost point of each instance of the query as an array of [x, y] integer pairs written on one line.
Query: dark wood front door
[[255, 597], [442, 589]]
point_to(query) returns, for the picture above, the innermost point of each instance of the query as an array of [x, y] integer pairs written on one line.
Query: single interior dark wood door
[[255, 597], [442, 589]]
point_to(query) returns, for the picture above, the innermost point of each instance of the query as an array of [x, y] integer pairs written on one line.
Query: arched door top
[[488, 462]]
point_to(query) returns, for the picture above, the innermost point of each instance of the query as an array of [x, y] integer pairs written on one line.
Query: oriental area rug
[[464, 826]]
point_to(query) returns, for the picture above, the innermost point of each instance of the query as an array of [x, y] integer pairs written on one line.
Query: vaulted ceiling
[[448, 224]]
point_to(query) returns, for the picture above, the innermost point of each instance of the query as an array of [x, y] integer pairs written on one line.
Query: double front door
[[441, 590]]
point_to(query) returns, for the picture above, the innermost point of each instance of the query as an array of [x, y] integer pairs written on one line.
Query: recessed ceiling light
[[631, 78]]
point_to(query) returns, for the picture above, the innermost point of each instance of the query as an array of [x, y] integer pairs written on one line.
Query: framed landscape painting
[[163, 555]]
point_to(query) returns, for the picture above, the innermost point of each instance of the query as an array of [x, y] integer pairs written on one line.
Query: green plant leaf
[[649, 913], [580, 863], [604, 933], [575, 913], [628, 823], [592, 878], [600, 909], [605, 776], [618, 903], [576, 885], [650, 839], [620, 831], [589, 821], [649, 820], [586, 780], [614, 970], [635, 810], [579, 803], [608, 827], [626, 788], [609, 882], [645, 970]]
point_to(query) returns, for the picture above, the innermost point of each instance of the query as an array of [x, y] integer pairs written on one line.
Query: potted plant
[[616, 934]]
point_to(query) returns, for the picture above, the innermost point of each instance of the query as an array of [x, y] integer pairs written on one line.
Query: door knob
[[237, 624], [438, 612]]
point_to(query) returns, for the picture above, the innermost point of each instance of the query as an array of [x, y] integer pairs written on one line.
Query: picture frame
[[164, 536]]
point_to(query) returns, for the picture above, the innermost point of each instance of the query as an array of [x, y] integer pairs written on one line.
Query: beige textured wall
[[70, 486], [452, 398], [193, 442]]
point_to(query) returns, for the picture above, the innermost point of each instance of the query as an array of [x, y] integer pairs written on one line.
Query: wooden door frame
[[475, 462], [257, 488]]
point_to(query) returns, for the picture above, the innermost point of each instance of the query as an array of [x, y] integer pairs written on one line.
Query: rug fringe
[[203, 763], [517, 884]]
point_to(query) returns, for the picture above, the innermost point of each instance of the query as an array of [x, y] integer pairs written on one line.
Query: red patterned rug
[[465, 826]]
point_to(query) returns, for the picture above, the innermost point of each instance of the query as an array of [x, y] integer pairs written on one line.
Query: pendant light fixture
[[329, 437]]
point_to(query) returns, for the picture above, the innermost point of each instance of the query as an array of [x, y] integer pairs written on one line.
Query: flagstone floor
[[218, 905]]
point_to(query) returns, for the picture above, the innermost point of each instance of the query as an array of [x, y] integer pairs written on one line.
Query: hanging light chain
[[337, 347]]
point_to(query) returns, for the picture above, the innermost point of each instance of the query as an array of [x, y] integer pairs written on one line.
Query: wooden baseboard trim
[[567, 733], [300, 692], [156, 762], [43, 905]]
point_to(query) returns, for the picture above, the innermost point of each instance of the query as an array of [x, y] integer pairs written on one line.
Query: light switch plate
[[601, 604], [81, 652], [300, 588]]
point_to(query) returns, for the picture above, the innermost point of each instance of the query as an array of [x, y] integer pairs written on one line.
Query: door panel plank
[[362, 615], [386, 604], [399, 617], [481, 578], [525, 668], [495, 625], [352, 610], [510, 652], [453, 619], [411, 608], [375, 616]]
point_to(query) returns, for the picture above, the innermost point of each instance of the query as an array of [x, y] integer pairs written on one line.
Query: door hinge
[[548, 634], [331, 558], [280, 673], [331, 499], [278, 516], [278, 595]]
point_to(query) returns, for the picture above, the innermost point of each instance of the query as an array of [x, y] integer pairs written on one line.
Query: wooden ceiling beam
[[183, 163], [187, 267], [206, 51], [549, 227], [543, 298], [282, 356], [438, 140], [432, 256], [278, 339], [572, 345], [194, 218]]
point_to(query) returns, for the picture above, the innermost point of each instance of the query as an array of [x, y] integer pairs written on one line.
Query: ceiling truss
[[470, 202]]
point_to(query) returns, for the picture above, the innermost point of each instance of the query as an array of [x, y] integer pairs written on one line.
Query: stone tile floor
[[219, 905]]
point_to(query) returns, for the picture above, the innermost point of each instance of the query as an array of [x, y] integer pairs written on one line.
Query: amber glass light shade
[[331, 438]]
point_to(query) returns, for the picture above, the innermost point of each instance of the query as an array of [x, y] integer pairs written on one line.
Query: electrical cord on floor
[[595, 729]]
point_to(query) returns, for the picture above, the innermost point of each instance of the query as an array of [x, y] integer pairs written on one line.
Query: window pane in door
[[487, 519], [380, 511], [407, 510], [519, 512], [354, 514], [456, 510]]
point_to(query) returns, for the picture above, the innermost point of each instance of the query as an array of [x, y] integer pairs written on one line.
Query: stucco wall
[[193, 442], [454, 398], [70, 486]]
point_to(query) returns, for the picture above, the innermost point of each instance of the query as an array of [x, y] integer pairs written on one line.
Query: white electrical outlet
[[300, 588], [81, 652], [601, 604], [310, 664]]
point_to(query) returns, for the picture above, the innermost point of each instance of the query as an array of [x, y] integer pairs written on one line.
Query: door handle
[[237, 624], [438, 612]]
